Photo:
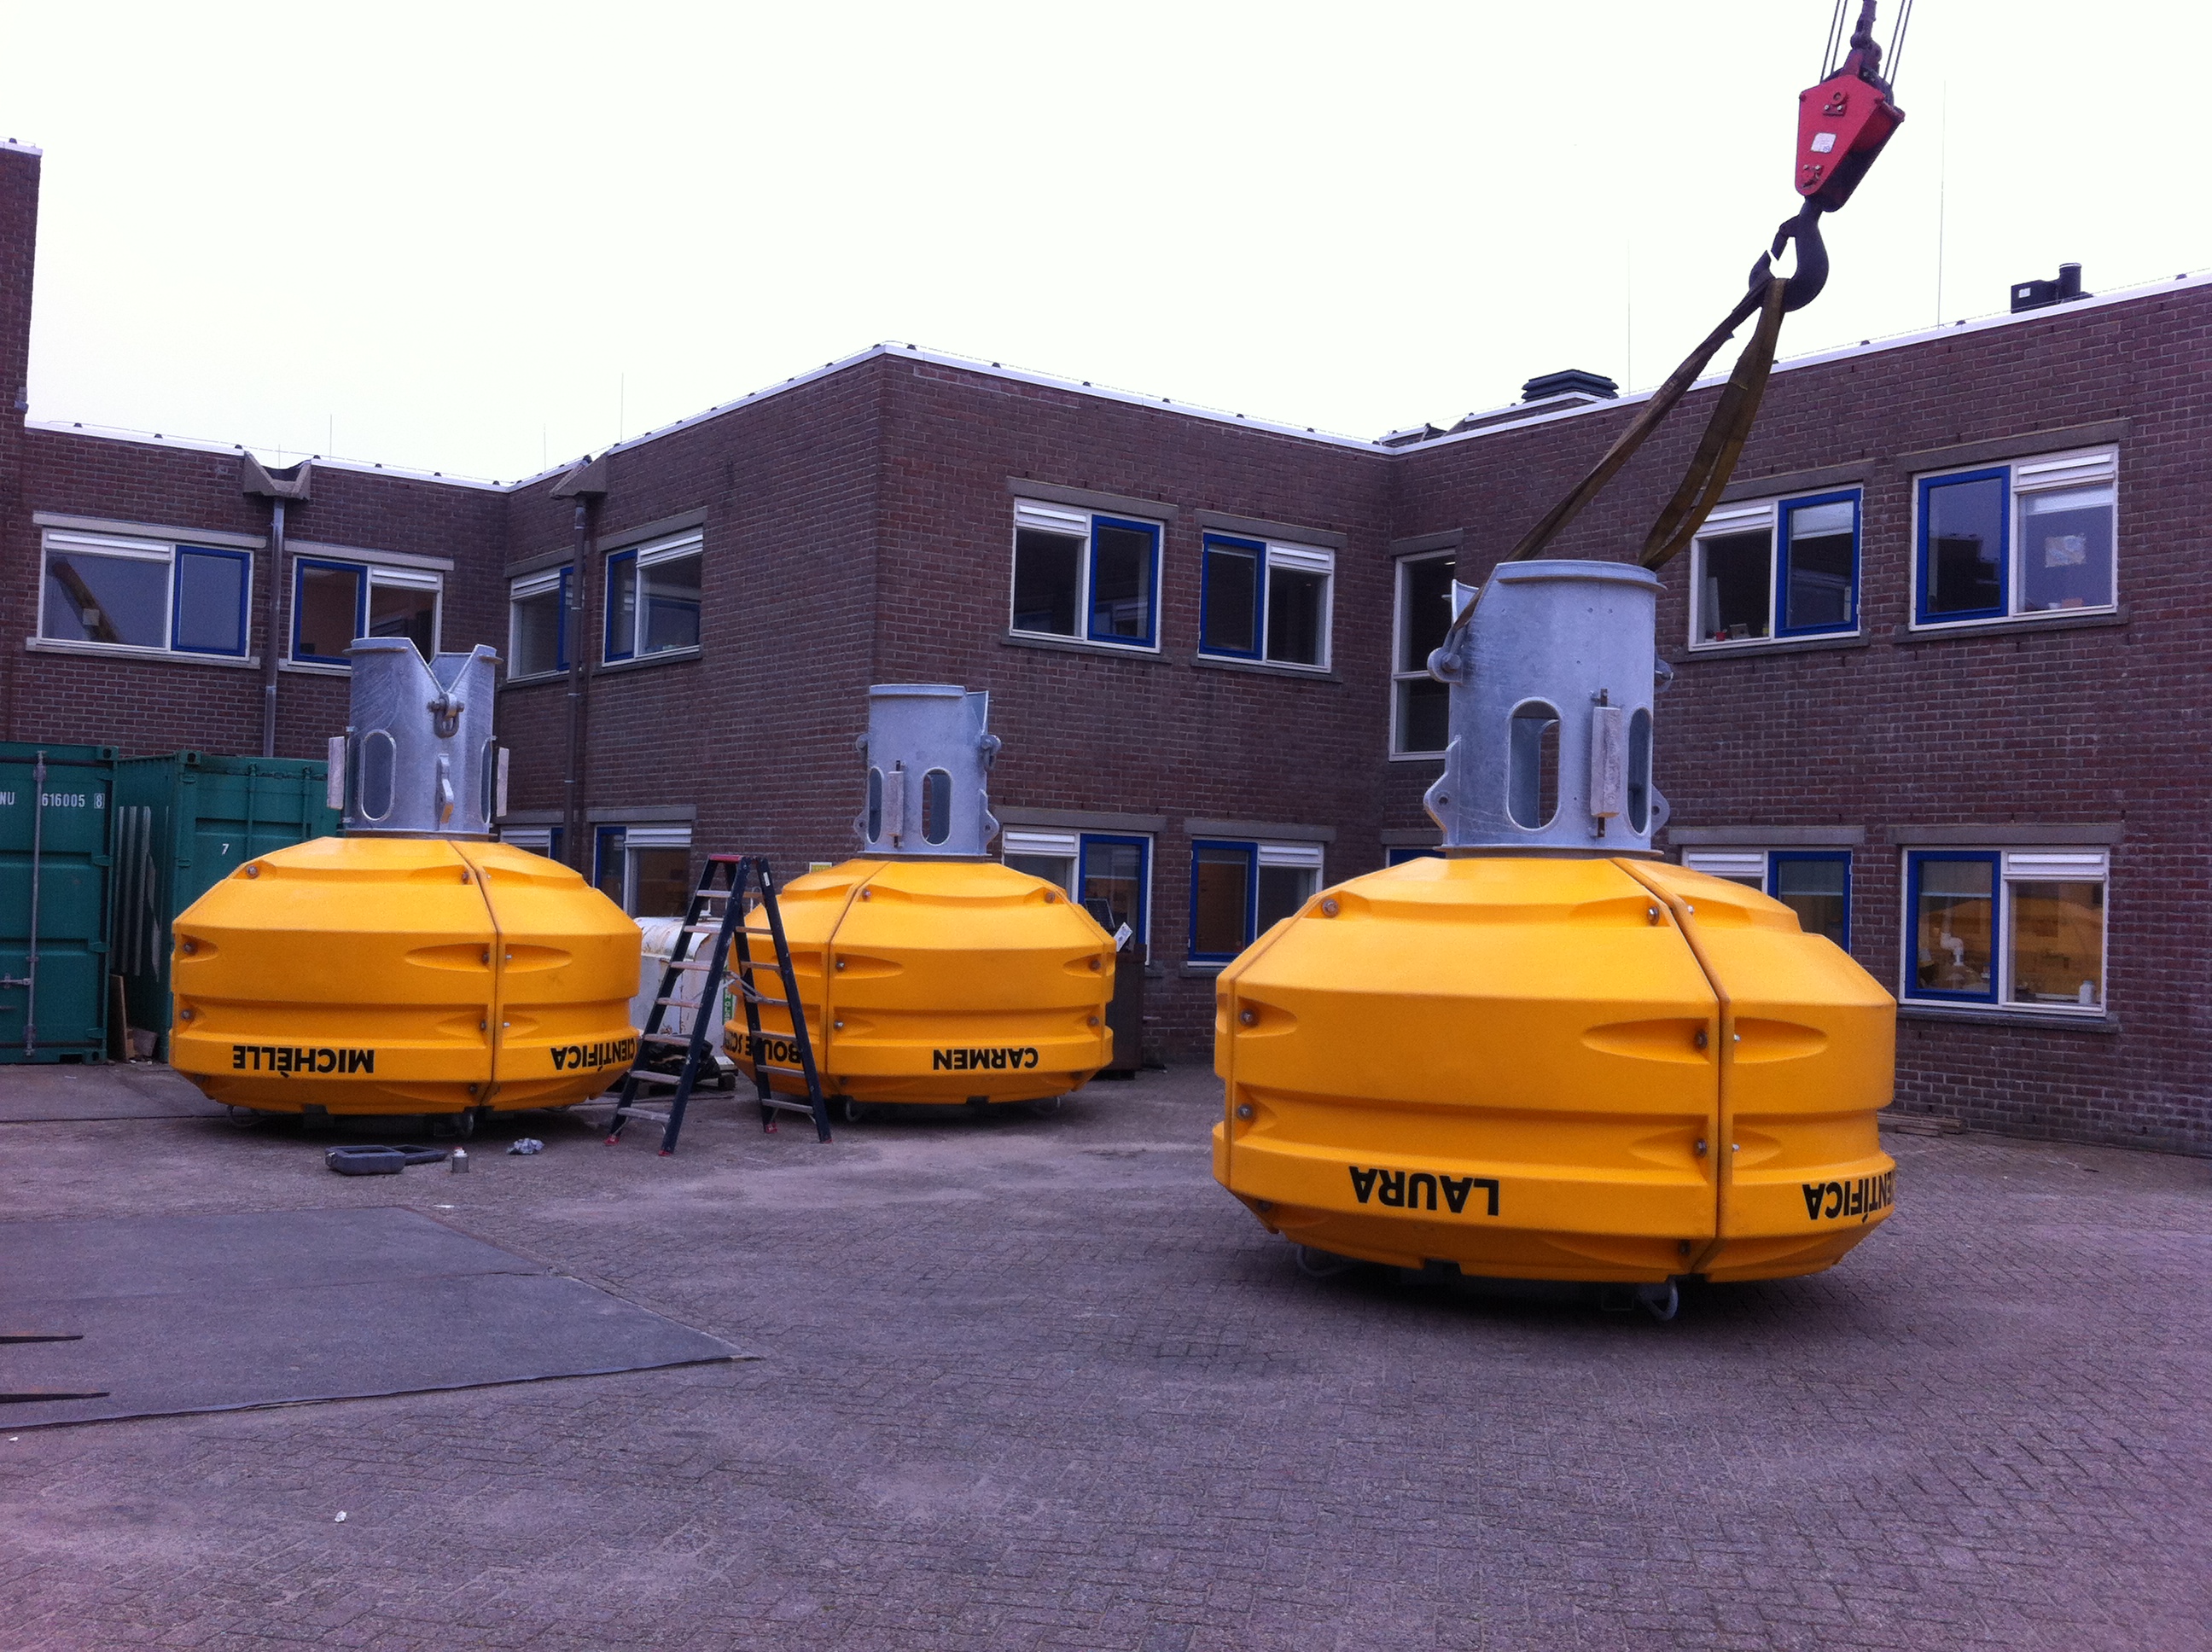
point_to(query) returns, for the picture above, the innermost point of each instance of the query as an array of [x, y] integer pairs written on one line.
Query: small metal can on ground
[[457, 1161]]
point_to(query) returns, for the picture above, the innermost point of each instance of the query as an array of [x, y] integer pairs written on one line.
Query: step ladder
[[727, 940]]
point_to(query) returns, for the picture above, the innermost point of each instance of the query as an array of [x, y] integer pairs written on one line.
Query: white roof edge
[[1967, 328], [2185, 282], [199, 444], [1301, 433], [21, 148]]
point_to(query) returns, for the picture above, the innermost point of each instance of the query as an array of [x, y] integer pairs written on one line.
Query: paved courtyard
[[1038, 1381]]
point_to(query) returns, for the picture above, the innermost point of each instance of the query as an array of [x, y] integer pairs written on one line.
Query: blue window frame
[[327, 598], [621, 605], [1815, 884], [1766, 570], [1817, 546], [1125, 579], [1963, 557], [1117, 869], [1224, 893], [2033, 536], [1081, 575], [1239, 890], [213, 590], [1262, 601], [654, 598], [1951, 924], [1400, 857], [147, 595]]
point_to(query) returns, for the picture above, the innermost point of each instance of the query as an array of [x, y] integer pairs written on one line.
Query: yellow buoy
[[411, 966], [929, 974], [1551, 1055]]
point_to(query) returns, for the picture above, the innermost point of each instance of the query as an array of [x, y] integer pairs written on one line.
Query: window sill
[[1265, 668], [2057, 1021], [2057, 620], [666, 657], [313, 668], [535, 678], [1078, 646], [1751, 646], [123, 650], [1205, 968], [1417, 756]]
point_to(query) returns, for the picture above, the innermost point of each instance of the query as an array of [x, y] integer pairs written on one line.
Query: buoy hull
[[934, 983], [1561, 1069], [403, 975]]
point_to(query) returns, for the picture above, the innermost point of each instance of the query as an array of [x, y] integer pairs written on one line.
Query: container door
[[54, 846]]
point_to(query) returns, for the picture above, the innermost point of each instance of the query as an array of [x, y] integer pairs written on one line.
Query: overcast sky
[[482, 239]]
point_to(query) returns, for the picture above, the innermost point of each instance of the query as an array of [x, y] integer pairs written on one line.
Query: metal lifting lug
[[446, 712]]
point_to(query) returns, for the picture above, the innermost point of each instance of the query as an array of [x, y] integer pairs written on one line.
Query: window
[[333, 603], [538, 840], [1775, 569], [1108, 872], [1814, 883], [2021, 930], [538, 624], [144, 594], [644, 870], [1239, 892], [1398, 857], [1078, 573], [1259, 600], [652, 598], [2035, 537], [1420, 705]]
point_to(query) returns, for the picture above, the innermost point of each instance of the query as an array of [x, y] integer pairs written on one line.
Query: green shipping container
[[54, 807], [183, 822]]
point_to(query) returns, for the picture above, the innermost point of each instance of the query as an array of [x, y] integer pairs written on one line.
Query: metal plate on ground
[[183, 1313]]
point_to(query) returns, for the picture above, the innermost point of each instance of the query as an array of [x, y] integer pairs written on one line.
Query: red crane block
[[1841, 125]]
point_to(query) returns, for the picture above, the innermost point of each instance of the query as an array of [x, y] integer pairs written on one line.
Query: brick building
[[1934, 655]]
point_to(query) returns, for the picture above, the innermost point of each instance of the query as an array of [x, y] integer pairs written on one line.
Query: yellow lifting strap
[[1712, 466]]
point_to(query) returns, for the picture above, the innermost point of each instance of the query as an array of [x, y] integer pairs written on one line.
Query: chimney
[[1574, 381], [2037, 294]]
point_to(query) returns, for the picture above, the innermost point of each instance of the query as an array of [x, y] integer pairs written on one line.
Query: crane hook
[[1812, 273]]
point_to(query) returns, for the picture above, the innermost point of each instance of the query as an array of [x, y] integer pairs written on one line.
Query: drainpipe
[[586, 485], [276, 487]]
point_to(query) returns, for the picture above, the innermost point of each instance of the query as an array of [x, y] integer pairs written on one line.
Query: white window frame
[[635, 837], [128, 547], [1067, 846], [1734, 864], [1399, 580], [537, 584], [1273, 553], [692, 542], [1307, 856], [2040, 473], [1750, 515], [2079, 864], [1072, 522], [374, 574]]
